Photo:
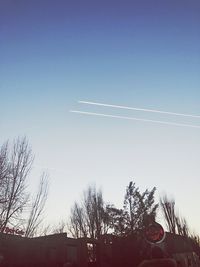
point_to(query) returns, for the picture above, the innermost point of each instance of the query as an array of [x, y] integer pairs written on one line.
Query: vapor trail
[[139, 109], [133, 118]]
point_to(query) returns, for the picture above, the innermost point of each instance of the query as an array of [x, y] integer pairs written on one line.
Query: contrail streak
[[133, 118], [139, 109]]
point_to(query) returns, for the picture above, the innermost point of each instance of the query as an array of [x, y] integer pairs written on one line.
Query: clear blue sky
[[143, 53]]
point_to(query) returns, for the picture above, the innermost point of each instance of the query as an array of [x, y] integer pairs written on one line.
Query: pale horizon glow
[[134, 118], [138, 109]]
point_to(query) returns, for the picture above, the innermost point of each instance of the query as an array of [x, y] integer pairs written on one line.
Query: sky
[[141, 54]]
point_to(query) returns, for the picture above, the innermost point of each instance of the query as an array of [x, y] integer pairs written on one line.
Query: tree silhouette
[[139, 208], [89, 218], [15, 164], [175, 223], [37, 207]]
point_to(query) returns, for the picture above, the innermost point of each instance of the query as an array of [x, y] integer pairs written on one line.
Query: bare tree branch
[[89, 217], [37, 207], [15, 166], [175, 223]]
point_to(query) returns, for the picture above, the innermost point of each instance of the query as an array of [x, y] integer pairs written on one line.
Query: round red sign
[[154, 233]]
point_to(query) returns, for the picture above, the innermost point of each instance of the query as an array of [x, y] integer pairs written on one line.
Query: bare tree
[[77, 225], [3, 171], [175, 223], [15, 165], [89, 218], [59, 228], [168, 209], [37, 207], [44, 230], [117, 220], [182, 226]]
